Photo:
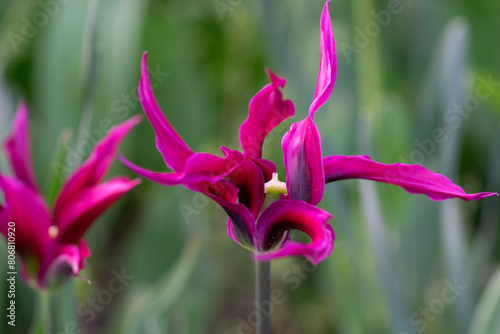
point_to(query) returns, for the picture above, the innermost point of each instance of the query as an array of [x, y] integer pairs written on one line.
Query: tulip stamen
[[53, 232], [275, 186]]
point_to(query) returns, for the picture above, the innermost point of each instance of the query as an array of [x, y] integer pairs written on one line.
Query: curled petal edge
[[285, 215], [172, 147], [267, 109]]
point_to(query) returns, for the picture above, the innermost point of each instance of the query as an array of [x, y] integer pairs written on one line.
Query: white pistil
[[53, 232], [275, 186]]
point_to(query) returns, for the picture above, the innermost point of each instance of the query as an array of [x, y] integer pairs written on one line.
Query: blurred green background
[[407, 70]]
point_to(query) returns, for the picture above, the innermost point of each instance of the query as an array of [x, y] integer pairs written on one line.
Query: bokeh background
[[407, 69]]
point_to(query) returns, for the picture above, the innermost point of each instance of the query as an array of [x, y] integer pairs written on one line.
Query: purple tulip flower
[[49, 239], [241, 182]]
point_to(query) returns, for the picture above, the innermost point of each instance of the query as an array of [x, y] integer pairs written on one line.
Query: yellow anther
[[53, 232], [275, 186]]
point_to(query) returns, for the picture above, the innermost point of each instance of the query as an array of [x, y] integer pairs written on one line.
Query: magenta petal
[[415, 179], [305, 179], [249, 179], [18, 148], [25, 207], [267, 167], [223, 189], [285, 215], [67, 262], [230, 230], [4, 218], [84, 253], [266, 110], [168, 179], [200, 167], [91, 172], [327, 65], [174, 150], [76, 217], [208, 167], [242, 228]]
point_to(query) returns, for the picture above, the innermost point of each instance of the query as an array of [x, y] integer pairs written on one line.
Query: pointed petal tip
[[328, 62], [122, 129], [22, 108], [169, 143], [21, 115], [144, 57], [136, 119], [415, 179], [168, 179], [275, 80], [482, 195], [18, 147], [135, 182], [117, 133], [144, 67]]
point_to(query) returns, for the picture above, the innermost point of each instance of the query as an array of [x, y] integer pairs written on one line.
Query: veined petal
[[174, 150], [25, 207], [76, 217], [18, 148], [285, 215], [327, 65], [415, 179], [91, 172], [305, 179], [266, 110]]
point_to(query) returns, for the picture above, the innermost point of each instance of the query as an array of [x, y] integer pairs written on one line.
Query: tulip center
[[275, 186]]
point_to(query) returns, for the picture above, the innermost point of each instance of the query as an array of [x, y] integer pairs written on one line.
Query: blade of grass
[[486, 319]]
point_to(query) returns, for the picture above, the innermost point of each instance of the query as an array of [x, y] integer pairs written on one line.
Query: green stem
[[263, 296], [41, 323]]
